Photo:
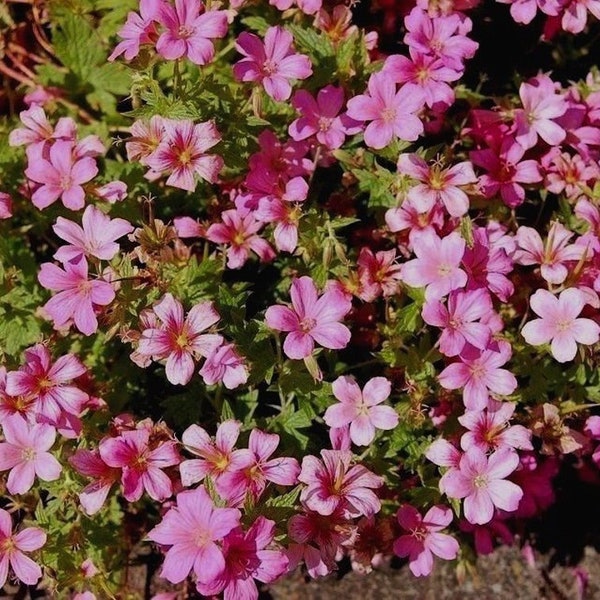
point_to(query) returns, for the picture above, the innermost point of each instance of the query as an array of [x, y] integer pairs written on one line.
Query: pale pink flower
[[239, 230], [541, 104], [77, 298], [478, 375], [217, 456], [311, 319], [39, 131], [90, 463], [437, 266], [246, 559], [524, 11], [322, 118], [180, 339], [182, 153], [191, 529], [570, 175], [271, 63], [308, 7], [6, 206], [424, 538], [189, 30], [480, 480], [13, 547], [437, 184], [138, 29], [379, 274], [409, 216], [60, 175], [19, 404], [49, 384], [25, 453], [361, 409], [225, 365], [444, 454], [96, 237], [145, 138], [575, 14], [559, 323], [334, 484], [112, 192], [141, 464], [551, 255], [392, 112], [460, 320], [489, 429]]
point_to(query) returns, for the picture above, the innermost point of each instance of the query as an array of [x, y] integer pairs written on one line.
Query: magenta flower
[[13, 547], [25, 453], [311, 319], [478, 375], [247, 559], [271, 63], [489, 429], [480, 480], [251, 480], [217, 456], [225, 365], [141, 465], [191, 529], [182, 152], [460, 320], [61, 175], [50, 384], [138, 29], [96, 238], [424, 538], [332, 484], [321, 117], [392, 112], [189, 29], [6, 206], [239, 230], [77, 296], [559, 323], [437, 184], [90, 464], [437, 266], [179, 339], [550, 255], [360, 409]]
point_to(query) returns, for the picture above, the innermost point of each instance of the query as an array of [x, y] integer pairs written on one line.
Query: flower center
[[269, 67], [27, 454], [480, 481], [388, 115], [307, 324], [184, 32], [564, 325]]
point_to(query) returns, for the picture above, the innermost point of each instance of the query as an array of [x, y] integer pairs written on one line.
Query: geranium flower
[[138, 29]]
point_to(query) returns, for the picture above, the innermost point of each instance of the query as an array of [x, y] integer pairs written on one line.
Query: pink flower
[[392, 112], [90, 464], [247, 559], [238, 230], [541, 104], [559, 323], [251, 480], [12, 548], [25, 453], [437, 266], [96, 238], [321, 118], [217, 457], [61, 175], [179, 339], [141, 465], [272, 63], [332, 485], [489, 429], [478, 375], [189, 30], [39, 131], [360, 409], [480, 480], [550, 255], [77, 296], [311, 319], [460, 320], [225, 365], [378, 274], [437, 184], [191, 529], [6, 206], [425, 539], [182, 152], [50, 384], [138, 29]]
